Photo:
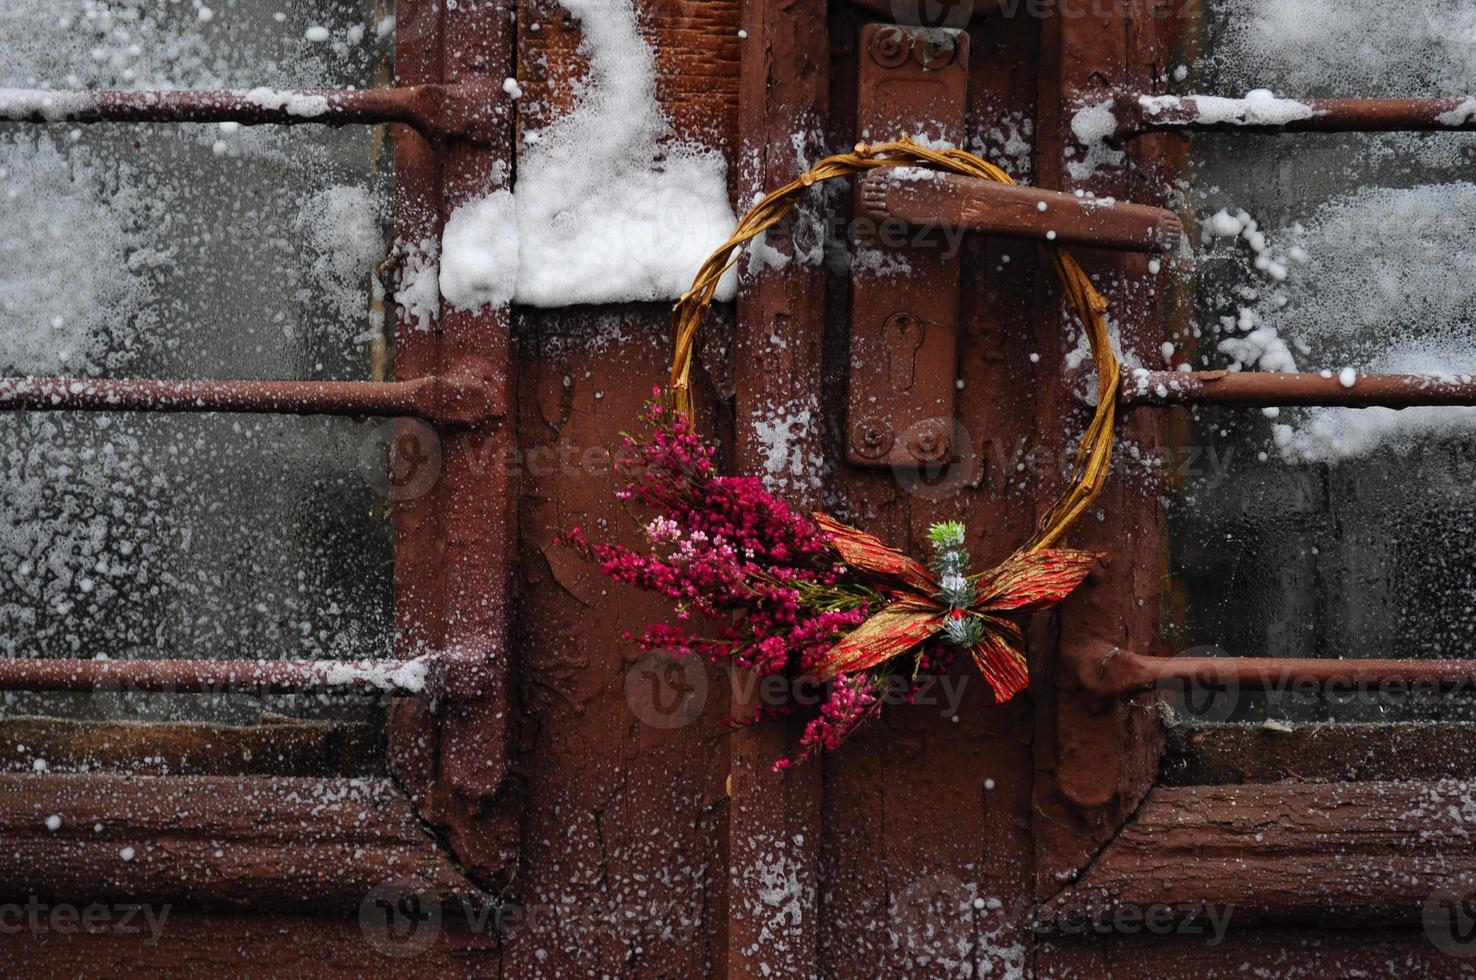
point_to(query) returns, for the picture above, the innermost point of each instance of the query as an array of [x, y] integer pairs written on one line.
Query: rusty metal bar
[[784, 89], [1138, 114], [462, 400], [1264, 389], [455, 674], [469, 109], [258, 677], [1112, 672], [930, 199], [474, 562]]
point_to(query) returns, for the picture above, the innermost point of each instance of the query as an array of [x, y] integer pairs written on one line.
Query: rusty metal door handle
[[933, 199]]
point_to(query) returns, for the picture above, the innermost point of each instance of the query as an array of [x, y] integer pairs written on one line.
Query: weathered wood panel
[[625, 761], [774, 820], [283, 747], [454, 548], [926, 857], [1265, 952], [250, 843], [1214, 754], [212, 945], [1340, 853], [1097, 757], [696, 47]]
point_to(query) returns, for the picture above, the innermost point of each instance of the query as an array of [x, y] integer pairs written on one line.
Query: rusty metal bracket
[[460, 673], [1107, 671], [904, 287], [1264, 389]]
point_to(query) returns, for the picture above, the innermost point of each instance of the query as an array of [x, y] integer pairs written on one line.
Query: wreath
[[756, 585]]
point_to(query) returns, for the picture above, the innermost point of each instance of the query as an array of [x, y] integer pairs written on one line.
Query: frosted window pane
[[190, 252], [1330, 533]]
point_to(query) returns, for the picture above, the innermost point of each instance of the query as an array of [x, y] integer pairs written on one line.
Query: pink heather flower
[[751, 582], [851, 700], [663, 530]]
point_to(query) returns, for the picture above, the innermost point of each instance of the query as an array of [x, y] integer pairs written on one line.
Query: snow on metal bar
[[1265, 389], [468, 109], [434, 399], [1262, 112], [257, 677]]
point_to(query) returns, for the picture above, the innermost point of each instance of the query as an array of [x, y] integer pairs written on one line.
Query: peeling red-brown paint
[[830, 870]]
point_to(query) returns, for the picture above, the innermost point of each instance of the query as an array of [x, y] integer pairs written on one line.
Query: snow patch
[[1092, 126], [1382, 286], [1259, 108], [1460, 115], [609, 208], [74, 260], [408, 675], [785, 433], [340, 228], [480, 252], [1347, 48], [419, 294], [20, 103], [296, 103]]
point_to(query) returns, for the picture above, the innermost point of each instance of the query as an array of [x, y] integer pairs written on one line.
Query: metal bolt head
[[930, 444], [871, 440], [935, 50], [890, 48]]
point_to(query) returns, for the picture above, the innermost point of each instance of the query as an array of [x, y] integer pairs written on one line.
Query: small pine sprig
[[951, 564]]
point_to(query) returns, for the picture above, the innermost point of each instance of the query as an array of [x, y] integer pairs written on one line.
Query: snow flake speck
[[787, 439]]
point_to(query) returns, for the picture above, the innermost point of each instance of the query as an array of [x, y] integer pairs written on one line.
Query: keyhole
[[904, 335]]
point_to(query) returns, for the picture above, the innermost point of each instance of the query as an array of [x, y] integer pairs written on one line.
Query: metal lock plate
[[905, 278]]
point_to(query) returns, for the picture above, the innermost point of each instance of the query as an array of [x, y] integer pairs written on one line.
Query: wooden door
[[540, 800]]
